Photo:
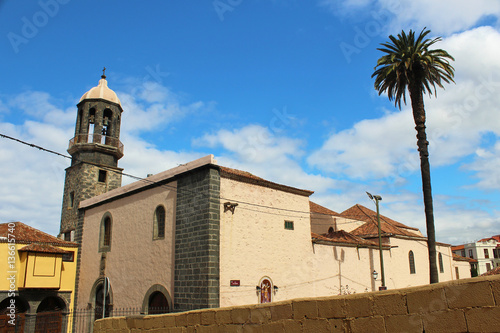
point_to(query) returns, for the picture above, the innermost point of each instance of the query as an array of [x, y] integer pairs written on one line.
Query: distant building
[[37, 279], [486, 251]]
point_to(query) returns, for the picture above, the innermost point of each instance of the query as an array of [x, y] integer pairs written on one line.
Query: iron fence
[[76, 321]]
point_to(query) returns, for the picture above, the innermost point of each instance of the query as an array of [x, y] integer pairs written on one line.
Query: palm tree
[[408, 63]]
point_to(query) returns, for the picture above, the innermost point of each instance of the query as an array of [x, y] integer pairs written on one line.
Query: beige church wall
[[342, 270], [348, 224], [463, 269], [255, 244], [134, 261], [397, 265]]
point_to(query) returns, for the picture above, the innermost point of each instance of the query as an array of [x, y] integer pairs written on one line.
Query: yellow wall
[[28, 275]]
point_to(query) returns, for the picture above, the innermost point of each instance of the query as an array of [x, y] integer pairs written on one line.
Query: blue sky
[[282, 89]]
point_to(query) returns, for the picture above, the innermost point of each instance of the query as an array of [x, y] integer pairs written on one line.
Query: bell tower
[[95, 150]]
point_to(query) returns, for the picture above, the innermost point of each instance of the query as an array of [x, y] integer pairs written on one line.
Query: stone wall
[[469, 305], [197, 240]]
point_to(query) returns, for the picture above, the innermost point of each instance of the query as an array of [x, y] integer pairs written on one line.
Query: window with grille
[[289, 225], [411, 259], [159, 223]]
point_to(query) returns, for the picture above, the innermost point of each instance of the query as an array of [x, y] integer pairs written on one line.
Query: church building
[[202, 235]]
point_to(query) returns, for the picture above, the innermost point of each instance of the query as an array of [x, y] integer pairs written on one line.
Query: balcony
[[96, 139]]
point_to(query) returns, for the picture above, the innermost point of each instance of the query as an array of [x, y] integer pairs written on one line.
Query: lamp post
[[376, 199]]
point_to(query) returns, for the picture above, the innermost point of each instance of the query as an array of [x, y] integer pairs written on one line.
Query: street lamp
[[376, 199], [375, 275]]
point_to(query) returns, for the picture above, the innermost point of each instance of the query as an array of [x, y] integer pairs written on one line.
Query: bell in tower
[[95, 150]]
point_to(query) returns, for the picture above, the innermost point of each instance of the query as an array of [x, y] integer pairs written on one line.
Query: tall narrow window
[[457, 273], [105, 234], [71, 201], [441, 267], [471, 255], [488, 267], [486, 253], [411, 259], [159, 223]]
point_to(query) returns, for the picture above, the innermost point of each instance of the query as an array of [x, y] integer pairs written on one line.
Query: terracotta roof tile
[[43, 248], [247, 177], [315, 208], [457, 247], [344, 237], [25, 234], [387, 225], [460, 258]]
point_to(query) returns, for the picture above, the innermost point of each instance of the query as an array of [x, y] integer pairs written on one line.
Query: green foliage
[[409, 61]]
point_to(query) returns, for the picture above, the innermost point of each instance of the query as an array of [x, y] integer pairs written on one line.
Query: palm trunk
[[417, 104]]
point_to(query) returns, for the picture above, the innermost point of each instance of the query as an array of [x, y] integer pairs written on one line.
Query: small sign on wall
[[234, 283]]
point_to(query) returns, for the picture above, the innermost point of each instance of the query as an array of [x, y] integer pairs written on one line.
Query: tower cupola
[[95, 150]]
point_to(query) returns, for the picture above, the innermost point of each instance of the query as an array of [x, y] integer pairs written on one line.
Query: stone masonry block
[[426, 299], [337, 326], [331, 308], [445, 321], [389, 304], [469, 295], [281, 311], [260, 315], [240, 315], [410, 322], [181, 320], [193, 318], [168, 320], [208, 317], [495, 288], [483, 319], [305, 309], [369, 324], [360, 305], [223, 316], [290, 325], [316, 326], [251, 328], [273, 327]]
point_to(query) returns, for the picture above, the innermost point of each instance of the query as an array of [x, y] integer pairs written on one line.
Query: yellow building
[[37, 280]]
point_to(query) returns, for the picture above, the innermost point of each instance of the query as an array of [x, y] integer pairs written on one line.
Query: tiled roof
[[43, 248], [495, 271], [344, 237], [25, 234], [457, 247], [249, 178], [387, 225], [460, 258], [315, 208], [496, 238]]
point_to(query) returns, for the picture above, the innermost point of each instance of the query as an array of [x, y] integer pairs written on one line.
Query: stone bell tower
[[95, 151]]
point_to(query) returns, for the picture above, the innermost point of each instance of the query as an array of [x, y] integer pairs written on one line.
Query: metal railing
[[76, 321], [96, 138]]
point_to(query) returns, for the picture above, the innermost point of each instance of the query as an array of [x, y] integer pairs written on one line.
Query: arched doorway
[[49, 315], [158, 303], [102, 308], [13, 308]]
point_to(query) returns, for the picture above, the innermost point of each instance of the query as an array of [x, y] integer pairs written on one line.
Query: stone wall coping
[[438, 307]]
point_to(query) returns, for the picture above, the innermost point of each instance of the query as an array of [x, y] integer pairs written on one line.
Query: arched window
[[411, 259], [441, 267], [105, 234], [159, 223]]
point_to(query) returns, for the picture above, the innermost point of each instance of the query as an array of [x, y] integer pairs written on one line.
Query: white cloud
[[456, 120], [442, 17], [256, 149], [486, 166]]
